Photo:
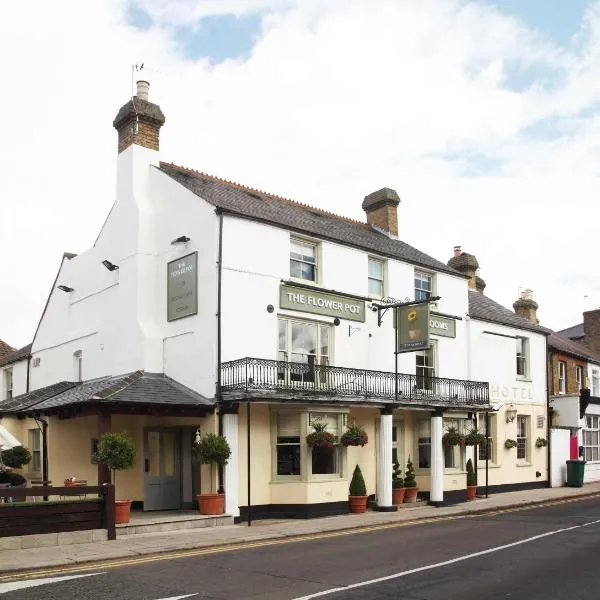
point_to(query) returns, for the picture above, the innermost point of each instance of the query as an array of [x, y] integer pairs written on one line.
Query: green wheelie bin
[[575, 470]]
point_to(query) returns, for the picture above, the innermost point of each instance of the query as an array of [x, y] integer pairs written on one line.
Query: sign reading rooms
[[322, 303]]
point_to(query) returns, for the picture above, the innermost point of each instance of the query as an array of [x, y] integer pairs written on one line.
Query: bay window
[[591, 438]]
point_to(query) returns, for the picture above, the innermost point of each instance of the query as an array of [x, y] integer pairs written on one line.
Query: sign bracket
[[383, 308]]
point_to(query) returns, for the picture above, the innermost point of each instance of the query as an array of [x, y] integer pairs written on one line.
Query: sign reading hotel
[[412, 327], [182, 287], [321, 303]]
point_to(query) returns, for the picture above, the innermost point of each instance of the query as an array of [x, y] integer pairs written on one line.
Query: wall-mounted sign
[[182, 287], [321, 303], [412, 327], [442, 326]]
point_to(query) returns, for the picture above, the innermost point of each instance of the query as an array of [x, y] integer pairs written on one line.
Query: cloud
[[334, 100]]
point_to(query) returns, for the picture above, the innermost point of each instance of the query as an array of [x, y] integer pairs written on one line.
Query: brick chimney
[[467, 264], [526, 307], [139, 121], [591, 330], [382, 210]]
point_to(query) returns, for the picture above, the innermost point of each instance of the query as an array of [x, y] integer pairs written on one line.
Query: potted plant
[[211, 449], [541, 442], [357, 498], [320, 438], [474, 438], [508, 444], [397, 484], [354, 435], [453, 437], [16, 457], [471, 481], [117, 452], [410, 483]]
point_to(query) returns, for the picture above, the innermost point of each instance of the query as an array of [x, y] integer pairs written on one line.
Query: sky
[[483, 115]]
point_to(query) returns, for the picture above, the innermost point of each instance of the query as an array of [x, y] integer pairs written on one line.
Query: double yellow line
[[124, 562]]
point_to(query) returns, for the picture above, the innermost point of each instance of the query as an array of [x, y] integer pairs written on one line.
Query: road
[[549, 553]]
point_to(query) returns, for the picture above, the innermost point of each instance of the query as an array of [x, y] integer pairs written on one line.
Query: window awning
[[7, 439]]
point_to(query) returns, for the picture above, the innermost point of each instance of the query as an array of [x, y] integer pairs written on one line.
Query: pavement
[[260, 532]]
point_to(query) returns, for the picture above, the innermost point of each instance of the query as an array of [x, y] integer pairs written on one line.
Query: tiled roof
[[485, 309], [261, 206], [5, 349], [562, 343], [572, 332], [16, 355], [134, 388]]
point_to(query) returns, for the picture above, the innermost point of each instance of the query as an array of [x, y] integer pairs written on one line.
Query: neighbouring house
[[205, 305]]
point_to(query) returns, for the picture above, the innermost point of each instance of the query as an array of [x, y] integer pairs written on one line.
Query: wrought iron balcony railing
[[255, 374]]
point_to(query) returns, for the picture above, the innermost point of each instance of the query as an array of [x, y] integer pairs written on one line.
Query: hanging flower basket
[[474, 438], [453, 437], [541, 442], [320, 438], [508, 444], [354, 435]]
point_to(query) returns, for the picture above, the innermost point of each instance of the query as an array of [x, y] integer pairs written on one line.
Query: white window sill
[[524, 378], [491, 465], [287, 479], [524, 464]]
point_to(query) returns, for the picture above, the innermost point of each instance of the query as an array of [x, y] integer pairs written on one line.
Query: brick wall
[[571, 379], [147, 134], [384, 217], [591, 330]]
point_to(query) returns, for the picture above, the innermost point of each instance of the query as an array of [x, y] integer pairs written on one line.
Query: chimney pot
[[457, 250], [142, 90]]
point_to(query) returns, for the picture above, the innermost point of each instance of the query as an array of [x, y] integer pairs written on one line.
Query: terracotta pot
[[122, 510], [471, 492], [211, 504], [357, 504], [398, 495], [410, 494]]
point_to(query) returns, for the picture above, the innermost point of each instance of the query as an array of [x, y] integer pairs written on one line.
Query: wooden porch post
[[104, 426]]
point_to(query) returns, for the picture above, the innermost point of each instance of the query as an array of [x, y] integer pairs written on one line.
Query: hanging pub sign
[[412, 327], [182, 287]]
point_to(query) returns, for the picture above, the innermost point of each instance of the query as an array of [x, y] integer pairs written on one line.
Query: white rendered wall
[[560, 449]]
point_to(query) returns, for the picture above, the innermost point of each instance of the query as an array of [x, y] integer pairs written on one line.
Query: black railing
[[254, 374]]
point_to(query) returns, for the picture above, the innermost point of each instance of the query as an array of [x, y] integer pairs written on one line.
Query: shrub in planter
[[453, 437], [410, 483], [117, 452], [211, 449], [397, 484], [471, 480], [16, 457], [354, 435], [320, 437], [474, 438], [357, 497], [508, 444]]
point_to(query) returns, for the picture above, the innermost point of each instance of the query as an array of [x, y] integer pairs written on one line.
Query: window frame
[[428, 374], [420, 292], [458, 452], [34, 440], [579, 377], [524, 441], [492, 444], [562, 377], [8, 382], [591, 438], [381, 282], [316, 265], [522, 358], [595, 382], [78, 366]]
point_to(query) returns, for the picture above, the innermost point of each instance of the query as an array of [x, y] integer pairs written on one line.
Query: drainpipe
[[27, 376], [548, 408], [219, 288]]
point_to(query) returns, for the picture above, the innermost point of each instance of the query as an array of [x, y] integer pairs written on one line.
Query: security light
[[65, 288], [182, 239], [109, 265]]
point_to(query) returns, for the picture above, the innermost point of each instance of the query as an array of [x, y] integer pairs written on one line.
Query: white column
[[436, 493], [231, 470], [384, 462]]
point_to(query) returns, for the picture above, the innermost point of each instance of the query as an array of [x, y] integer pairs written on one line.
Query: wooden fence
[[57, 509]]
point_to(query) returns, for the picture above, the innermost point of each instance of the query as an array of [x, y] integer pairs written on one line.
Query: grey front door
[[162, 469]]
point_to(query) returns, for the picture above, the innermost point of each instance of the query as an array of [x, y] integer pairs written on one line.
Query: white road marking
[[443, 563], [178, 597], [29, 583]]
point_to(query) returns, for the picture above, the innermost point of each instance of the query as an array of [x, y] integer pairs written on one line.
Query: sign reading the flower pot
[[412, 327], [182, 287], [321, 303], [442, 326]]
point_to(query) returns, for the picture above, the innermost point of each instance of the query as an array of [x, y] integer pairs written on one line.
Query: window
[[8, 384], [303, 260], [425, 368], [305, 343], [77, 366], [591, 438], [326, 461], [424, 444], [595, 382], [288, 443], [562, 377], [423, 285], [398, 443], [376, 286], [453, 454], [487, 452], [522, 356], [36, 450], [522, 433], [579, 377]]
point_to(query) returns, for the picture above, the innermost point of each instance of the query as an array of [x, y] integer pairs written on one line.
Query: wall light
[[510, 414], [182, 239], [109, 265], [65, 288]]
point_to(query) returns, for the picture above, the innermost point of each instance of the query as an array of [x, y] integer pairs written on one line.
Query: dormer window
[[77, 366]]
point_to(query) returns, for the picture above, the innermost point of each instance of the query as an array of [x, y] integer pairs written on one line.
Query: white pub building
[[206, 305]]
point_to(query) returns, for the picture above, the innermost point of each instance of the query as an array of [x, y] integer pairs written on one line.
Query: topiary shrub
[[116, 451], [471, 475], [211, 449], [357, 484], [409, 476], [16, 457], [397, 480]]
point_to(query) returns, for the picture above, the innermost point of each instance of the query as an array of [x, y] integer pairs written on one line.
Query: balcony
[[279, 380]]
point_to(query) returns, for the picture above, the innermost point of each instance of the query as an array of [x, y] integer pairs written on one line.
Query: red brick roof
[[5, 349]]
